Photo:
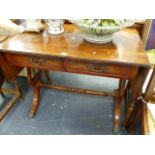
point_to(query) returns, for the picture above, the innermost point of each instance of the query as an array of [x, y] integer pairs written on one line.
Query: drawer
[[37, 62], [97, 68]]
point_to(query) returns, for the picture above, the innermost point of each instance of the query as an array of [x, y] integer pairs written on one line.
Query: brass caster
[[31, 114], [116, 131]]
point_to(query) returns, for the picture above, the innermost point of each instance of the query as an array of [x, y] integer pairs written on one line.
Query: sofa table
[[123, 58]]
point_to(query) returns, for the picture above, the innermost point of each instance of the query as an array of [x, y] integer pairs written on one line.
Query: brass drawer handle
[[97, 69], [37, 61]]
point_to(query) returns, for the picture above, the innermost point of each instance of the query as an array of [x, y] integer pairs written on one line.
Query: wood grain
[[127, 47], [123, 58]]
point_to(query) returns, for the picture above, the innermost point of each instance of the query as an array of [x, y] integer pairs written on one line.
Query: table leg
[[35, 103], [48, 76], [36, 85], [32, 80], [17, 95], [127, 93], [136, 116], [18, 89], [136, 90], [118, 102]]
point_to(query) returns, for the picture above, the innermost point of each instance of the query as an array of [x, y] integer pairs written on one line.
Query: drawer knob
[[97, 68]]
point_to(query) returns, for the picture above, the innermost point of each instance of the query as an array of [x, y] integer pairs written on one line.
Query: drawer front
[[97, 68], [37, 62]]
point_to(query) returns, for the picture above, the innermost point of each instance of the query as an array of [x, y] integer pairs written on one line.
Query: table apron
[[88, 67]]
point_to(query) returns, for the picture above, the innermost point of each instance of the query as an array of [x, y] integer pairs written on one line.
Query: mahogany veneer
[[124, 58]]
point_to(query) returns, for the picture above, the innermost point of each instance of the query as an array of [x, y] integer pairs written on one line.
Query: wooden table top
[[126, 47]]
